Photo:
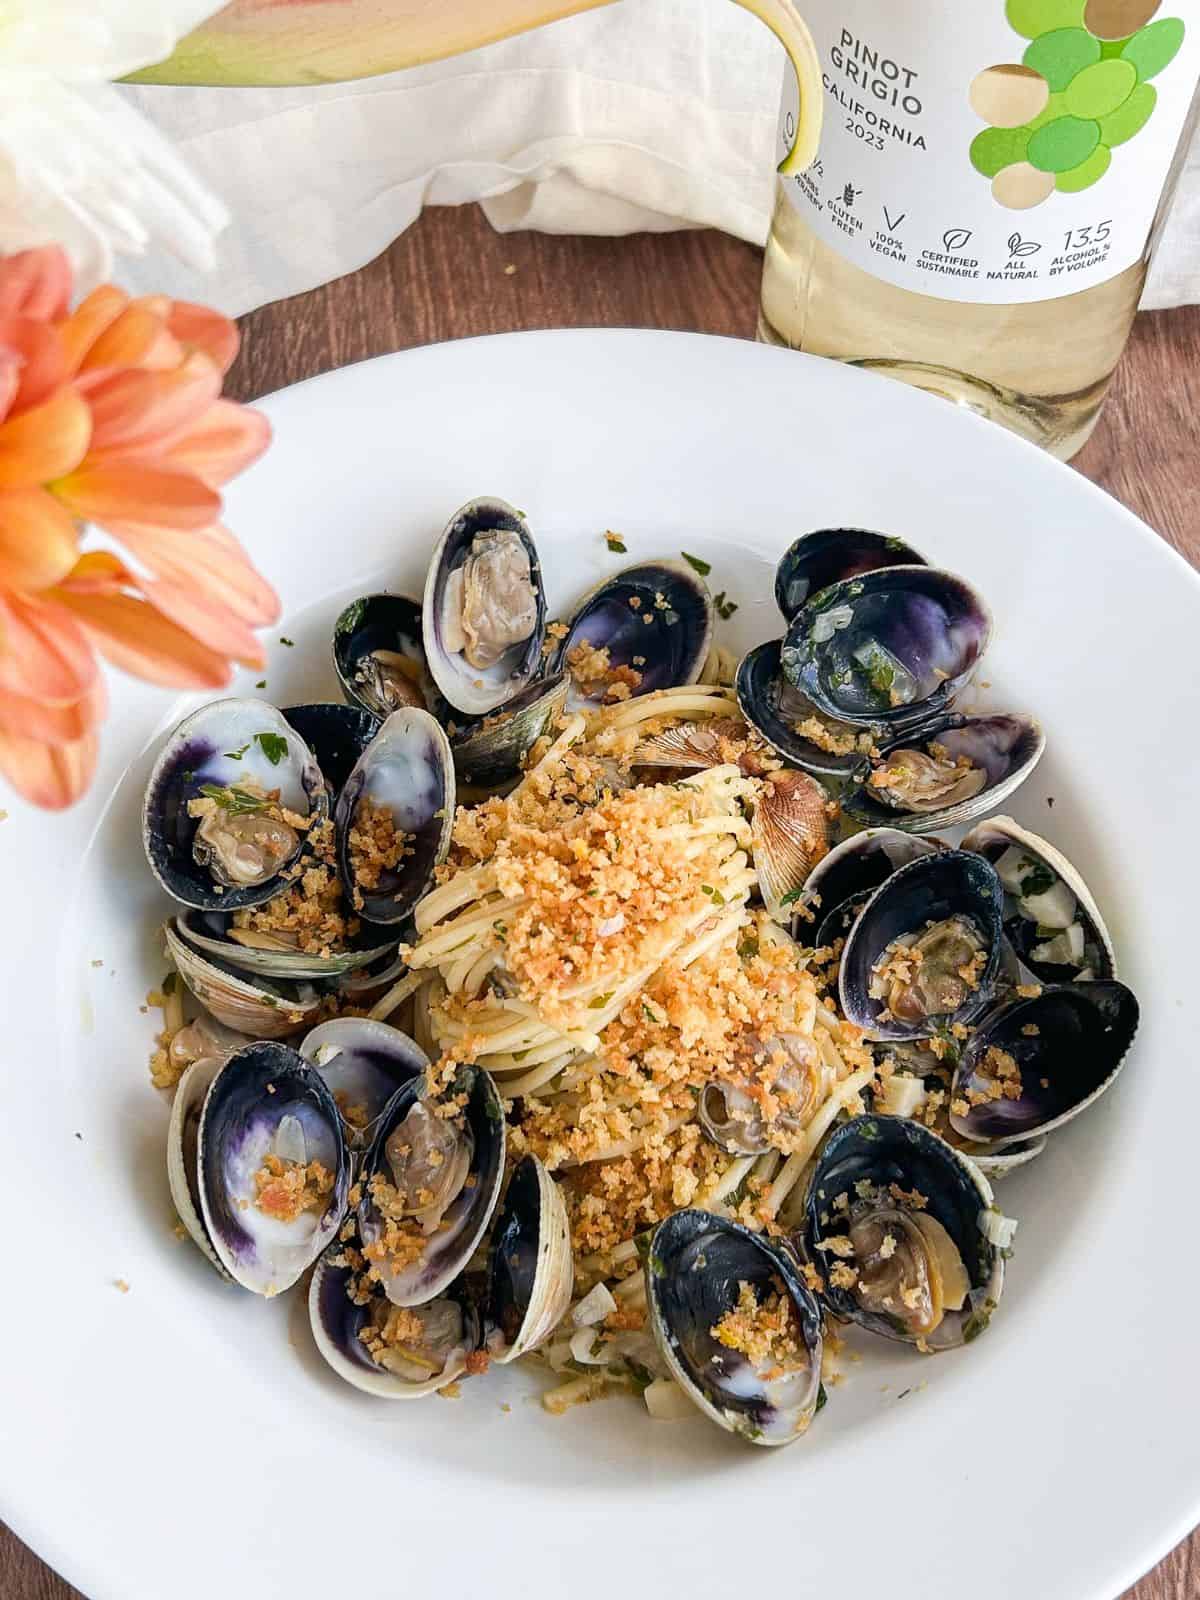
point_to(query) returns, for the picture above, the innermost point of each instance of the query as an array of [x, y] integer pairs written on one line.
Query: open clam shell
[[183, 1131], [531, 1272], [408, 772], [892, 647], [490, 751], [414, 1280], [486, 561], [1034, 1063], [790, 832], [224, 746], [251, 953], [363, 1063], [1042, 887], [259, 1006], [336, 734], [379, 656], [830, 555], [267, 1101], [852, 871], [951, 891], [777, 710], [880, 1177], [697, 1266], [952, 771], [654, 620], [338, 1323]]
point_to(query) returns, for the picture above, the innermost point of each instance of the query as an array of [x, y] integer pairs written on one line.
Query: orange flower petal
[[96, 312], [10, 377], [125, 341], [39, 541], [43, 652], [23, 718], [35, 283], [226, 440], [201, 328], [133, 636], [133, 411], [186, 603], [211, 561], [98, 572], [42, 361], [147, 494], [50, 776], [45, 441]]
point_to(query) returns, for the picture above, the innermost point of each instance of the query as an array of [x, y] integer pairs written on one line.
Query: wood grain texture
[[449, 277]]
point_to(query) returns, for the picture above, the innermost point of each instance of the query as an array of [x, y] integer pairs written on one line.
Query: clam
[[363, 1063], [924, 953], [792, 725], [950, 772], [274, 955], [1051, 919], [182, 1138], [1035, 1062], [892, 647], [530, 1267], [272, 1169], [648, 627], [254, 1004], [484, 613], [734, 1119], [737, 1326], [842, 882], [394, 816], [830, 555], [336, 734], [904, 1231], [790, 832], [430, 1182], [390, 1353], [378, 654], [490, 751], [212, 834]]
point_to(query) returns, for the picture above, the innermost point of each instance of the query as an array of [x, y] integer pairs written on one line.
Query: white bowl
[[185, 1438]]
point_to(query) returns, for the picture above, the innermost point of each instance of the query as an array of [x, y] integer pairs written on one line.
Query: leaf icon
[[955, 238], [1027, 249], [1014, 240]]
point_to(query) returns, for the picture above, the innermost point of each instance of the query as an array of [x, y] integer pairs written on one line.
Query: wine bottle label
[[989, 151]]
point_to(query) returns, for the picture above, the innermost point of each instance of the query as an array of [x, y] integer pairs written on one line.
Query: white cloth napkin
[[649, 114]]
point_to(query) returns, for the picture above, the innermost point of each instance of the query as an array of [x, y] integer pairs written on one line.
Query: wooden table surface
[[451, 276]]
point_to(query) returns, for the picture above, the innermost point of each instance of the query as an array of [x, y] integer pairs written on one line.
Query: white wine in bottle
[[989, 185]]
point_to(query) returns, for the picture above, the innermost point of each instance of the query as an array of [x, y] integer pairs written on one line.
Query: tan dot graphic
[[1009, 96], [1020, 186], [1113, 19]]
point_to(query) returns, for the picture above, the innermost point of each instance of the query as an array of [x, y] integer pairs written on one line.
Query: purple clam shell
[[828, 555]]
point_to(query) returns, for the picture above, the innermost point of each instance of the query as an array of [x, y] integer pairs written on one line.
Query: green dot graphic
[[1100, 89], [1113, 47], [1154, 47], [1129, 118], [1059, 55], [1062, 145], [1055, 107], [1086, 173], [997, 148], [1032, 18]]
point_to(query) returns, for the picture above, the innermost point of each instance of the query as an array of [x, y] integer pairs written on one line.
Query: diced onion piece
[[596, 1304], [587, 1349], [666, 1401], [1013, 866], [1054, 908], [996, 1228], [903, 1095], [1064, 950]]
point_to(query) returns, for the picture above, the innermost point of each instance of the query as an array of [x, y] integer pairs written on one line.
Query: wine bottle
[[990, 182]]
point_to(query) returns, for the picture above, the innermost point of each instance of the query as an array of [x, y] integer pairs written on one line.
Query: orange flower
[[111, 414]]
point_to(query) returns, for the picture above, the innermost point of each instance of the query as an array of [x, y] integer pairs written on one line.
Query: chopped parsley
[[273, 745], [723, 607], [615, 543], [790, 898], [291, 643], [261, 684], [236, 755], [238, 801], [1037, 880], [601, 1000], [715, 895], [500, 929], [697, 564]]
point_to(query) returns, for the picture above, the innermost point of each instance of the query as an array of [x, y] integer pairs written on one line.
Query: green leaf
[[723, 607], [698, 563], [616, 544], [237, 801], [600, 1001], [274, 746], [790, 898], [236, 755], [1038, 880]]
